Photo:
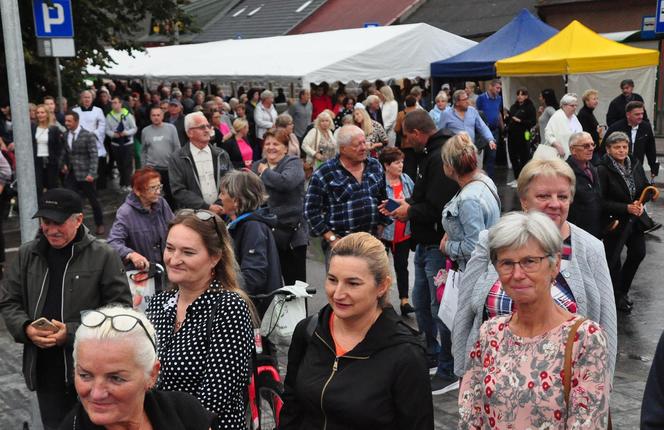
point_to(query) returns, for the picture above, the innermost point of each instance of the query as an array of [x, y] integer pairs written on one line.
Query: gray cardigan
[[285, 187], [587, 276]]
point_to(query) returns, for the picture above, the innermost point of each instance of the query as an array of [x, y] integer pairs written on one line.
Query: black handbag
[[283, 234]]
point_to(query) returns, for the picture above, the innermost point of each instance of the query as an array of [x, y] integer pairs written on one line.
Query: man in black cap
[[64, 271], [174, 116]]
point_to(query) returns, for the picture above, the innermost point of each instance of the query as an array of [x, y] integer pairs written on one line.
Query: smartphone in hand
[[392, 205], [44, 324]]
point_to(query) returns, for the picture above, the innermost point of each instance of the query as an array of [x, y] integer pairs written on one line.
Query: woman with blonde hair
[[390, 111], [47, 143], [285, 122], [319, 144], [204, 321], [355, 364], [374, 133], [241, 153]]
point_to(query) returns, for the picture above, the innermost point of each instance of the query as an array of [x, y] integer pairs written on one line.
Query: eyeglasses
[[122, 323], [204, 215], [156, 188], [585, 146], [528, 265], [202, 127]]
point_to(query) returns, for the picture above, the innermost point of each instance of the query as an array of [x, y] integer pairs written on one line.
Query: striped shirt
[[499, 303], [336, 202]]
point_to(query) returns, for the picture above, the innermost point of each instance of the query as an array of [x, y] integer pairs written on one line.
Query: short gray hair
[[370, 99], [575, 137], [615, 137], [189, 119], [347, 133], [441, 96], [283, 120], [457, 94], [144, 351], [515, 229], [267, 94], [246, 188], [569, 99]]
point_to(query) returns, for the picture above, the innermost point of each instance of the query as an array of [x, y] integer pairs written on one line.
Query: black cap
[[59, 204], [175, 102]]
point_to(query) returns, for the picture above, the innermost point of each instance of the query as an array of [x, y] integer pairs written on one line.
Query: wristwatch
[[332, 238]]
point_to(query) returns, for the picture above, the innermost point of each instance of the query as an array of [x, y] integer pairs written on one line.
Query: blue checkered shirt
[[336, 202]]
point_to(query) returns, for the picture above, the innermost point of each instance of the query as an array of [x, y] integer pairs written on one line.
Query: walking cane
[[649, 193]]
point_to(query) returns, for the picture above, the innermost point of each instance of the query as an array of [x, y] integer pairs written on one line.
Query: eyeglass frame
[[155, 188], [138, 321], [521, 264], [211, 216], [202, 127], [585, 146]]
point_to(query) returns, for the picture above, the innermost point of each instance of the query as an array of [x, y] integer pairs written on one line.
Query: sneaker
[[443, 384], [655, 226]]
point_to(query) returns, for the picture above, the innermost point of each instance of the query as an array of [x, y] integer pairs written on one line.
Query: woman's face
[[109, 381], [33, 113], [532, 283], [239, 111], [228, 203], [42, 115], [618, 151], [324, 123], [549, 195], [541, 100], [592, 101], [273, 150], [358, 117], [349, 105], [216, 119], [521, 97], [151, 193], [395, 168], [188, 262], [569, 109], [351, 288], [442, 104]]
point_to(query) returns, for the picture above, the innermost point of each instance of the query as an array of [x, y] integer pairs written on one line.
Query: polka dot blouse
[[215, 370]]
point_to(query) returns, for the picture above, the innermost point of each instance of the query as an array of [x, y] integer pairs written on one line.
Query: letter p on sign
[[49, 19]]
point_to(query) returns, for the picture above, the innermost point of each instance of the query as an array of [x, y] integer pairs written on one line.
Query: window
[[304, 6], [239, 12], [253, 12]]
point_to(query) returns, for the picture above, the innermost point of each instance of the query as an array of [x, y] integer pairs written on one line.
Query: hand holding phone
[[392, 205], [44, 324]]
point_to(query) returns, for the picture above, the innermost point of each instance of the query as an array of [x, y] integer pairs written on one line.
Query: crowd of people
[[518, 309]]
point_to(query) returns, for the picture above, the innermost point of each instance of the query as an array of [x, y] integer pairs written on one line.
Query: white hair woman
[[563, 124], [516, 371], [319, 144], [116, 369]]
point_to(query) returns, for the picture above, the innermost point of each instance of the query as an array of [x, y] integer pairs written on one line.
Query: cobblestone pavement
[[638, 332]]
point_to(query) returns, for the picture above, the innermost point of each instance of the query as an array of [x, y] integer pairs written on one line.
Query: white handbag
[[450, 300]]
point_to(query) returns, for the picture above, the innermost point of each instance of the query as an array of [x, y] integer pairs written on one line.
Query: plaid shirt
[[336, 202]]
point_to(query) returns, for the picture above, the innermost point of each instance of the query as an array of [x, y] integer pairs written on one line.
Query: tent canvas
[[392, 52], [587, 60], [522, 33]]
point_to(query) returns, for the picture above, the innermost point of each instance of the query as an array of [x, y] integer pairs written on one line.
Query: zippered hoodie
[[382, 383], [94, 277]]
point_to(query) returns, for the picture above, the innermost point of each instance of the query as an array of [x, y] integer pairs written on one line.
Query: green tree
[[98, 25]]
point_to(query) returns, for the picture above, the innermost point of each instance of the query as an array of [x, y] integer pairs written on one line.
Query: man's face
[[356, 150], [86, 99], [416, 138], [494, 89], [103, 97], [187, 92], [304, 98], [627, 90], [60, 235], [635, 116], [582, 150], [71, 123], [199, 132], [173, 110], [50, 105], [116, 105], [156, 116], [462, 103]]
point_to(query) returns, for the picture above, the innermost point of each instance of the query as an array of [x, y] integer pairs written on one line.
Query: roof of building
[[340, 14], [249, 19], [470, 18], [553, 2]]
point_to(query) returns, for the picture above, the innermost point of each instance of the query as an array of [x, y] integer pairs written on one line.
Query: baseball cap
[[59, 204], [175, 102]]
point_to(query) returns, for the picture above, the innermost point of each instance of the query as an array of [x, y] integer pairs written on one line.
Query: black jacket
[[589, 123], [616, 110], [382, 383], [234, 153], [179, 126], [644, 145], [432, 191], [55, 144], [615, 194], [586, 209], [652, 412], [256, 253], [525, 112]]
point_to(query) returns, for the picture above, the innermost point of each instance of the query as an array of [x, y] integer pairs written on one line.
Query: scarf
[[625, 171]]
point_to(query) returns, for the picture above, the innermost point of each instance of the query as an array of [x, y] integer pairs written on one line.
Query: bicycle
[[265, 386]]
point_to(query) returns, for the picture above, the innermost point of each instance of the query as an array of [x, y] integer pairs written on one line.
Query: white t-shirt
[[41, 136], [205, 168]]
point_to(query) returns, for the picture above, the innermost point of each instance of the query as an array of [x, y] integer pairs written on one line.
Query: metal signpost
[[18, 93]]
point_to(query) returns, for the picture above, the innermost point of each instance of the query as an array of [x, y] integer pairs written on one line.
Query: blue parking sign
[[659, 17], [53, 18]]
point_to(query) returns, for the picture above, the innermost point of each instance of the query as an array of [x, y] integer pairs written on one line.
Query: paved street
[[638, 333]]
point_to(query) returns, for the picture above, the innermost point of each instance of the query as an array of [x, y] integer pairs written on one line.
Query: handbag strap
[[567, 367]]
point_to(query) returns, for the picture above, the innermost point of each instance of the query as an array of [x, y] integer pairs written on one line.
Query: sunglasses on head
[[122, 323], [205, 215]]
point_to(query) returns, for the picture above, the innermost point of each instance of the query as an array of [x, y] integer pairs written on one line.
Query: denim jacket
[[408, 185], [473, 209]]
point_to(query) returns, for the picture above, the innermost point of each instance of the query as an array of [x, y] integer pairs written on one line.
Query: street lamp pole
[[18, 94]]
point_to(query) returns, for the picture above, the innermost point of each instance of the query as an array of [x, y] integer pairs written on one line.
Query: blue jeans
[[428, 261]]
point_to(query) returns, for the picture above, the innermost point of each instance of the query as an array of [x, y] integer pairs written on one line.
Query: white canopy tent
[[392, 52]]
